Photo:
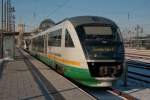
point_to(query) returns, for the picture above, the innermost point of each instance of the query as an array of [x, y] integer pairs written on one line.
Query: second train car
[[87, 49]]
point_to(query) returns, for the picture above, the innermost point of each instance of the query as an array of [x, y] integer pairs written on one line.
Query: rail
[[138, 64], [136, 75], [120, 93], [108, 93], [144, 56]]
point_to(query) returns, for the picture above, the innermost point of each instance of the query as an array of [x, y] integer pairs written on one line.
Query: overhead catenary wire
[[59, 7], [130, 15]]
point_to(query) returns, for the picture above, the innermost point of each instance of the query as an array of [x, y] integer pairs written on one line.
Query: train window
[[58, 37], [54, 38], [41, 44], [68, 40], [51, 39], [33, 44], [38, 44]]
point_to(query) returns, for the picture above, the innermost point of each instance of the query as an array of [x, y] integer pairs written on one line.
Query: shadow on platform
[[1, 69], [33, 97]]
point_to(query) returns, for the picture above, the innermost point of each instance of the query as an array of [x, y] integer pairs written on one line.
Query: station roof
[[45, 24], [10, 33]]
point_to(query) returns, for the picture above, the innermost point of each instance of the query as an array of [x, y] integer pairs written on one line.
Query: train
[[86, 49]]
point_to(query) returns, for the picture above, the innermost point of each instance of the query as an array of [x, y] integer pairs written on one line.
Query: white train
[[87, 49]]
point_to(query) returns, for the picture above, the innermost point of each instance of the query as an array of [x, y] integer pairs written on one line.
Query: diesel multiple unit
[[87, 49]]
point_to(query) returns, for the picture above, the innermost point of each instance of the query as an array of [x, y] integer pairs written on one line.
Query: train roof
[[80, 20]]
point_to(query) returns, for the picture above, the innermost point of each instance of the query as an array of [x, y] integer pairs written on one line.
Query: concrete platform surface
[[60, 88], [17, 82]]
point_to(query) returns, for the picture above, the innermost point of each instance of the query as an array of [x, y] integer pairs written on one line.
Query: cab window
[[68, 40]]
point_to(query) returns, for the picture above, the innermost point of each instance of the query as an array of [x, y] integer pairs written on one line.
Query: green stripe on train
[[81, 75], [78, 74]]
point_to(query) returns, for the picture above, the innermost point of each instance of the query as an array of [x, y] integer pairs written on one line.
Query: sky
[[126, 13]]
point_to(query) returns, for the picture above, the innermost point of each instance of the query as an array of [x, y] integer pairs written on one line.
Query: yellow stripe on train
[[63, 61]]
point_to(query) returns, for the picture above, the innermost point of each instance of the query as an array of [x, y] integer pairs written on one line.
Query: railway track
[[138, 64], [108, 94], [139, 71], [143, 56]]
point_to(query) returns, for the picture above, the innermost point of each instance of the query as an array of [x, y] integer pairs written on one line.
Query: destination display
[[104, 49], [97, 30]]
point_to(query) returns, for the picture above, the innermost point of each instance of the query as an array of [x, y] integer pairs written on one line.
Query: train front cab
[[100, 51]]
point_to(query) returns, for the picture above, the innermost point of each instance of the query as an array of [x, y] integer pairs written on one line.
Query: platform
[[17, 81], [60, 88]]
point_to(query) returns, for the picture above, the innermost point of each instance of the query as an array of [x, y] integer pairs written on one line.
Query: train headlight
[[103, 71], [92, 64]]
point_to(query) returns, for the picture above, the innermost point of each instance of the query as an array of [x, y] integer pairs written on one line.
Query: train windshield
[[100, 42]]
